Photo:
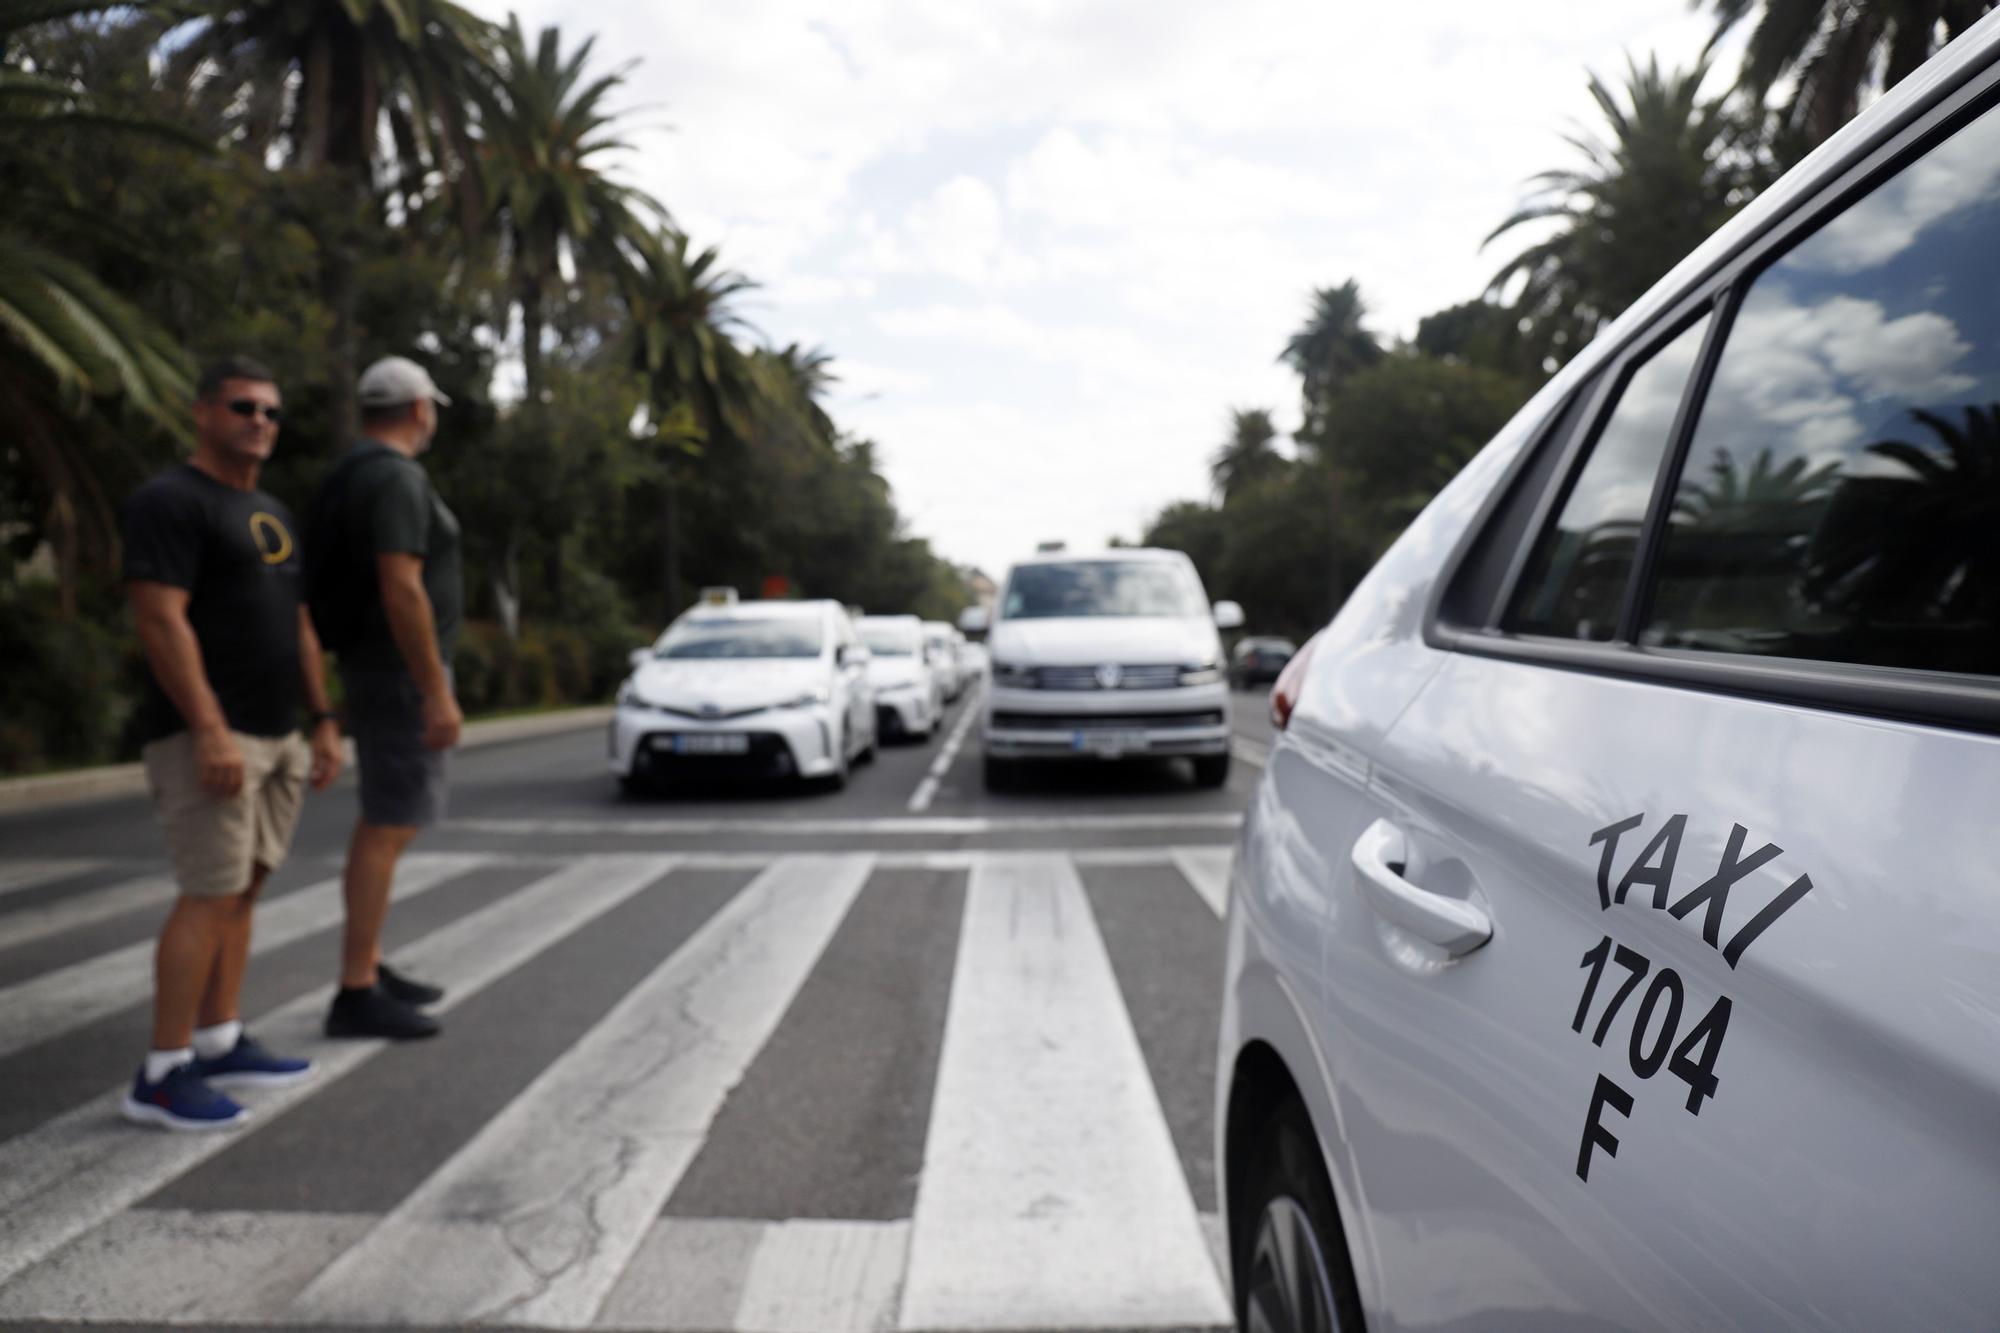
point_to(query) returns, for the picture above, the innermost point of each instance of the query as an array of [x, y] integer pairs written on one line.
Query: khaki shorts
[[215, 841]]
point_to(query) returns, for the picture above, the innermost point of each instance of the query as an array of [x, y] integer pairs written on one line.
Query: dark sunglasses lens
[[244, 407]]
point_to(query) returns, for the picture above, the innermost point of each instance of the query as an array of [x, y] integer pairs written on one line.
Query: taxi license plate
[[718, 743], [1109, 744]]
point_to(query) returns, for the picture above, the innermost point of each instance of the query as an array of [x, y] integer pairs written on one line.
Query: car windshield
[[1101, 588], [717, 637], [890, 640]]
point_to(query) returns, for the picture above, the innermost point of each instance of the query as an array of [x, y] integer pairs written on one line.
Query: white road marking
[[164, 1266], [1250, 752], [17, 875], [1207, 870], [83, 909], [69, 997], [812, 1276], [533, 1220], [927, 789], [1051, 1195], [84, 1167], [891, 826]]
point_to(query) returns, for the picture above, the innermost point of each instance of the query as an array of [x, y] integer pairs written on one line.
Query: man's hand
[[442, 721], [218, 762], [326, 754]]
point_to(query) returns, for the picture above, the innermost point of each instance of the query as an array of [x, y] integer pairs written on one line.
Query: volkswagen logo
[[1109, 675]]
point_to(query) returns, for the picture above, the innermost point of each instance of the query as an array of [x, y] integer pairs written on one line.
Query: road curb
[[48, 791]]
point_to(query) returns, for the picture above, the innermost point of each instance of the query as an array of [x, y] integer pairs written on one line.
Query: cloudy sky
[[1050, 243]]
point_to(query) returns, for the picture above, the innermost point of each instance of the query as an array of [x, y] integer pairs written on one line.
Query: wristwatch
[[323, 715]]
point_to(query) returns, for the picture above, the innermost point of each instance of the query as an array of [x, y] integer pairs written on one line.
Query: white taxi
[[769, 688], [1614, 936], [909, 694]]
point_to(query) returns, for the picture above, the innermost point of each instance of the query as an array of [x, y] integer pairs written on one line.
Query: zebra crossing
[[610, 1177]]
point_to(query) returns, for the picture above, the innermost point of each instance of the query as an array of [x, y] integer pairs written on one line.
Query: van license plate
[[1109, 744]]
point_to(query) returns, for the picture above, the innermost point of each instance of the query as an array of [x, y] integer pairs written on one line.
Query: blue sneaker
[[250, 1065], [181, 1101]]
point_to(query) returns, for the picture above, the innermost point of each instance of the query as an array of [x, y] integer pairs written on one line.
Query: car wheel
[[631, 784], [999, 774], [1295, 1276], [1211, 770]]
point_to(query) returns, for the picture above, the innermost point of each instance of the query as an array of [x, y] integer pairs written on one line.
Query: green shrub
[[66, 692]]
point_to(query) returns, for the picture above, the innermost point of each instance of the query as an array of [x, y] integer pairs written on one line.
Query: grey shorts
[[403, 785]]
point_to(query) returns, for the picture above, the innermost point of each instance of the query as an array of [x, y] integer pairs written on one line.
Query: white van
[[1106, 657]]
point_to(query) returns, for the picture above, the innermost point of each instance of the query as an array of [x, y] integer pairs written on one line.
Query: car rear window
[[1840, 500]]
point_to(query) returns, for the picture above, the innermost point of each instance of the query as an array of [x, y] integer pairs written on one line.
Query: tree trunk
[[670, 542], [507, 588], [532, 326]]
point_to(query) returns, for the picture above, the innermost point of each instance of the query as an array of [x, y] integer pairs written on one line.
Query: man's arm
[[408, 608], [175, 656], [326, 756]]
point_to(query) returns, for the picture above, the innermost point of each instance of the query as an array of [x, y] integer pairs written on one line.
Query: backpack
[[339, 580]]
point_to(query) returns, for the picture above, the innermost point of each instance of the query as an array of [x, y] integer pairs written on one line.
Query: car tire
[[631, 784], [1211, 770], [999, 774], [1292, 1267]]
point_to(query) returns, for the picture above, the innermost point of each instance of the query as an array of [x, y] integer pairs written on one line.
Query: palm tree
[[1675, 167], [543, 143], [1837, 53], [1247, 456], [386, 93], [68, 343], [678, 339], [1330, 347]]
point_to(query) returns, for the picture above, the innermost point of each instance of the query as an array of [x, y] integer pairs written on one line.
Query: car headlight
[[628, 693], [1208, 674], [1013, 673], [809, 698]]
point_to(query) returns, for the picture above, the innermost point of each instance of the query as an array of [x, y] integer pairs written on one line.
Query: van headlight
[[1206, 674], [1014, 674]]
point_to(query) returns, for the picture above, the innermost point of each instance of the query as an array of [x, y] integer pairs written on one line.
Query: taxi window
[[1575, 582], [1840, 499]]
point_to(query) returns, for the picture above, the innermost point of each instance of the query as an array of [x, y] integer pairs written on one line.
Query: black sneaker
[[407, 989], [374, 1013]]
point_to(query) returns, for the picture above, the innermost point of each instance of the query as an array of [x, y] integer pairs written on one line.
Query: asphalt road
[[731, 1056]]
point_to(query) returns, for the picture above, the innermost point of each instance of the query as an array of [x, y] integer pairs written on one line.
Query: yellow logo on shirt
[[273, 542]]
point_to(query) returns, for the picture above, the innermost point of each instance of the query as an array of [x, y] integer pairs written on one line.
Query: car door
[[1717, 772]]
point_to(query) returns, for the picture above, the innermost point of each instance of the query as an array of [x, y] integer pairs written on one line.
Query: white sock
[[159, 1064], [209, 1043]]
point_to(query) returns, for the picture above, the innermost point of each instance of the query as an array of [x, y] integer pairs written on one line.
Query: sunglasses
[[246, 407]]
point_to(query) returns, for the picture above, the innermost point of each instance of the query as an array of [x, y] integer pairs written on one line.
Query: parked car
[[1257, 661], [1614, 938], [758, 688], [1108, 657], [909, 692], [942, 647]]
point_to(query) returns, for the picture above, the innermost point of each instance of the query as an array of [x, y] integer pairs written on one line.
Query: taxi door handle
[[1453, 924]]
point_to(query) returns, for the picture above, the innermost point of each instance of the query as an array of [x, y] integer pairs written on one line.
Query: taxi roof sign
[[718, 596]]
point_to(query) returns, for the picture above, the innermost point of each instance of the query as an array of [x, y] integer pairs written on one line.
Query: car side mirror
[[639, 657], [973, 620], [1228, 615], [854, 654]]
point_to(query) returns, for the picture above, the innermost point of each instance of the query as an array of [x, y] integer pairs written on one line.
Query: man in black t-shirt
[[212, 570], [387, 563]]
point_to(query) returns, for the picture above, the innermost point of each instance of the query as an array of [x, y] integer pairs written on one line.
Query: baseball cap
[[397, 379]]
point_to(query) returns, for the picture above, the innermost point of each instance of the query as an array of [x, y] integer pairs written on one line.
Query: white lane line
[[891, 826], [1206, 869], [69, 997], [1250, 752], [18, 875], [84, 909], [165, 1266], [1051, 1195], [76, 1171], [926, 791], [533, 1220]]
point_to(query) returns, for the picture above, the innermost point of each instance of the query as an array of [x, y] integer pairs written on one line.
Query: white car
[[909, 696], [759, 688], [1614, 937], [944, 647], [1106, 657]]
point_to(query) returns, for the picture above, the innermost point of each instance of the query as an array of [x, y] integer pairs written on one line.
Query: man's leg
[[221, 999], [372, 854], [185, 966]]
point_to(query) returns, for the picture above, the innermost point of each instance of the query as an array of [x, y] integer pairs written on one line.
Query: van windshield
[[1101, 588]]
